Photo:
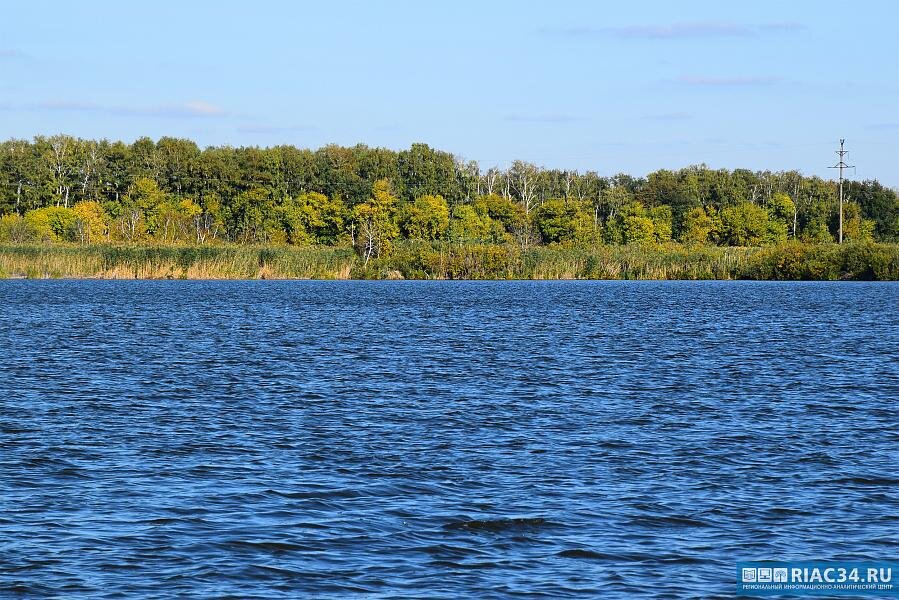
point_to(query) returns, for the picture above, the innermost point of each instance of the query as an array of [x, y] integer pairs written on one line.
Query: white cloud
[[203, 108]]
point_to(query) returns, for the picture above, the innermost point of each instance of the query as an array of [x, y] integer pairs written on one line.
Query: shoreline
[[421, 261]]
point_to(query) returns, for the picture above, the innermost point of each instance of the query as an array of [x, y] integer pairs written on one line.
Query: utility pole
[[841, 165]]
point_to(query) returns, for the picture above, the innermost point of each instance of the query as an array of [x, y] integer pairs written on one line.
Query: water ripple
[[440, 439]]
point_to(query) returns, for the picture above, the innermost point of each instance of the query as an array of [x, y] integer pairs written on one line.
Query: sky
[[606, 86]]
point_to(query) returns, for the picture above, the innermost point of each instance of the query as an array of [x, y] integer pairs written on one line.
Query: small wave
[[497, 524], [677, 559], [450, 564], [109, 566], [279, 571], [314, 494], [71, 472], [270, 546], [666, 521], [590, 554], [161, 521], [785, 511], [439, 550], [309, 525], [868, 481]]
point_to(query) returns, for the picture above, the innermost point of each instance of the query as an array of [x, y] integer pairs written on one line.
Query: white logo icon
[[749, 574], [765, 575], [780, 575]]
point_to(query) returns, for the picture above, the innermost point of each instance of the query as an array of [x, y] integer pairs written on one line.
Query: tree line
[[63, 188]]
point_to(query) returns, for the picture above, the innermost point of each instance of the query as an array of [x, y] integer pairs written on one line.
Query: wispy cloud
[[186, 110], [547, 118], [62, 105], [681, 30], [199, 107], [730, 81], [670, 116], [9, 53]]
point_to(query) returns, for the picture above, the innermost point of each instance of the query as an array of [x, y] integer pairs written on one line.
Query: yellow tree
[[698, 225], [374, 227], [91, 222], [425, 219], [188, 212], [471, 223], [856, 228], [50, 224]]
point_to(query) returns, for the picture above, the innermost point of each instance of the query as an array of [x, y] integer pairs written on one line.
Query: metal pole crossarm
[[841, 165]]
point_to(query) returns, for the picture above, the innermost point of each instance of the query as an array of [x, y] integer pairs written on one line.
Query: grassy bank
[[167, 262], [447, 261]]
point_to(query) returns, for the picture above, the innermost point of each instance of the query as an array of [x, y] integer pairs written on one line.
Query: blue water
[[441, 439]]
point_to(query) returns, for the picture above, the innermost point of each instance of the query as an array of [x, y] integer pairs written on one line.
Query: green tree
[[558, 222], [251, 217], [471, 223], [816, 232], [613, 200], [632, 224], [140, 211], [60, 162], [424, 171], [749, 225], [879, 204], [63, 171], [313, 218], [507, 216], [20, 176], [177, 159], [781, 209]]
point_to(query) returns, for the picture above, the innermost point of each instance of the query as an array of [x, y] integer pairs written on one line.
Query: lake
[[441, 439]]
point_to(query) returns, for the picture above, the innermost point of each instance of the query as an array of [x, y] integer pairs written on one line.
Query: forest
[[170, 192]]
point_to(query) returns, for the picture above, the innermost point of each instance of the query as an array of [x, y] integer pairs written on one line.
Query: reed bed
[[421, 260], [174, 262]]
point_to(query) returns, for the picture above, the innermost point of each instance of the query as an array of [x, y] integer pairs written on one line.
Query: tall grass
[[636, 262], [175, 262], [670, 261], [420, 260]]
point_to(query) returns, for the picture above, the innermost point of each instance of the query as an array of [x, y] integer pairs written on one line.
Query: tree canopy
[[62, 188]]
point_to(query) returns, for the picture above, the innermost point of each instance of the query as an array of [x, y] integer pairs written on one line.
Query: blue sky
[[608, 86]]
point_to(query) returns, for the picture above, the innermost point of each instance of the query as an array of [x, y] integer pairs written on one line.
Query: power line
[[841, 165]]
